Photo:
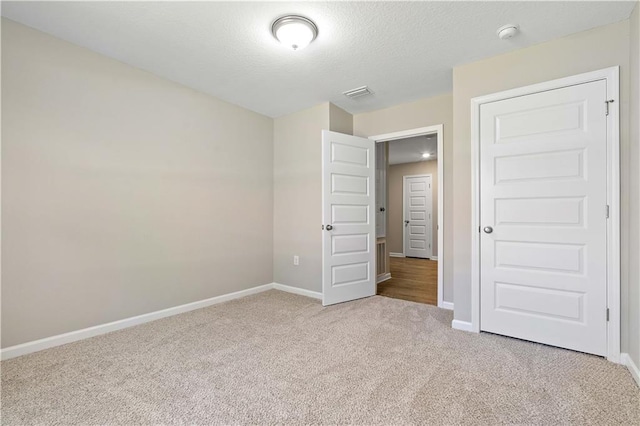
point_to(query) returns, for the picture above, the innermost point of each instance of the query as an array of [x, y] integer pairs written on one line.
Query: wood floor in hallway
[[412, 279]]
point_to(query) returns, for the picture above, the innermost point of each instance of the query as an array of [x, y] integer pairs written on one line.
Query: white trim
[[396, 254], [404, 210], [383, 278], [611, 75], [461, 325], [434, 258], [439, 131], [85, 333], [296, 290], [625, 359], [447, 305]]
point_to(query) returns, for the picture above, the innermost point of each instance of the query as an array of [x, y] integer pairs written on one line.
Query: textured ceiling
[[410, 150], [402, 50]]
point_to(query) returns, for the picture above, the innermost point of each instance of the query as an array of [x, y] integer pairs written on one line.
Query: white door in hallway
[[417, 216], [348, 217], [543, 210]]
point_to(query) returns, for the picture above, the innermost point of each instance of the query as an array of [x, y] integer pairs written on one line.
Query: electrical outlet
[[296, 260]]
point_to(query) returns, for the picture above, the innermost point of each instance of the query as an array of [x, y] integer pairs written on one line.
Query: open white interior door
[[348, 209]]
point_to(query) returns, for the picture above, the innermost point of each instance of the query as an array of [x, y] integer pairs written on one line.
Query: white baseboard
[[461, 325], [446, 305], [296, 290], [396, 254], [383, 278], [74, 336], [434, 258], [633, 368]]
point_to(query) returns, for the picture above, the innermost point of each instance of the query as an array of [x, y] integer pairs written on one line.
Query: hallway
[[412, 279]]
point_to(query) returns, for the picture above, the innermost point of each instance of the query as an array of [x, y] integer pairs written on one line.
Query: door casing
[[611, 76], [438, 130]]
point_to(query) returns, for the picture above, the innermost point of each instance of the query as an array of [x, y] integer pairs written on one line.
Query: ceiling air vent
[[358, 92]]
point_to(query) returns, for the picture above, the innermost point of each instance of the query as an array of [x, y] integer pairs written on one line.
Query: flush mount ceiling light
[[293, 31], [506, 32], [426, 155]]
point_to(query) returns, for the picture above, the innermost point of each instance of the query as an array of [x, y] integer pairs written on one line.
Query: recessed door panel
[[541, 122], [355, 273], [345, 213], [349, 244], [347, 184], [343, 153], [548, 166], [549, 212], [566, 258], [540, 302]]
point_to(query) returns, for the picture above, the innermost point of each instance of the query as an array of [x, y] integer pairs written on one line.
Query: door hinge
[[607, 211], [610, 101], [607, 314], [323, 227]]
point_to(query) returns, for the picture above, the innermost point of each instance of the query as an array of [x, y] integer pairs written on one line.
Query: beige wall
[[340, 120], [298, 197], [395, 227], [422, 113], [632, 332], [587, 51], [123, 193]]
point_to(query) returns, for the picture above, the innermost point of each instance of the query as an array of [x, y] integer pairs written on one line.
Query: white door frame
[[611, 76], [404, 213], [439, 131]]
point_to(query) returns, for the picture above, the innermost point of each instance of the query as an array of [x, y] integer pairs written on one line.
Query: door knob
[[488, 229], [406, 222], [382, 209], [329, 227]]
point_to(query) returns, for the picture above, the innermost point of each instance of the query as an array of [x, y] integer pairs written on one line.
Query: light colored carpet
[[281, 358]]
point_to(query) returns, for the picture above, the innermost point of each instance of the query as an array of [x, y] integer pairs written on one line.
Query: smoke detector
[[357, 92], [508, 31]]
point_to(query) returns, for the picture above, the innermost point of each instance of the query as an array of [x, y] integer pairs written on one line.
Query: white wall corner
[[631, 366]]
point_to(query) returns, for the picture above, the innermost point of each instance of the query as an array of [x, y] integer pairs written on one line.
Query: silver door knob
[[488, 229], [329, 227], [406, 222]]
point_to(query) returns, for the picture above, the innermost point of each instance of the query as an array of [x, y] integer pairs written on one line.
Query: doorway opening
[[409, 215]]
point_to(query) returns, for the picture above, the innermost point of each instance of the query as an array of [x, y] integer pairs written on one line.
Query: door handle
[[488, 229], [406, 222], [329, 227]]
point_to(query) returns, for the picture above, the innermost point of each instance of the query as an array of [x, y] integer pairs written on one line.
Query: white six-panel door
[[348, 212], [543, 211], [417, 216]]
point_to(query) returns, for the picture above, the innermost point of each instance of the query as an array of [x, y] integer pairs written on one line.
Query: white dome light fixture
[[508, 31], [294, 31], [426, 155]]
